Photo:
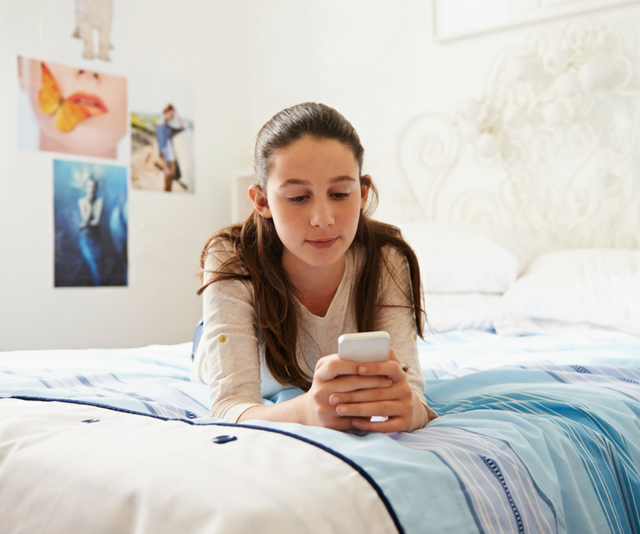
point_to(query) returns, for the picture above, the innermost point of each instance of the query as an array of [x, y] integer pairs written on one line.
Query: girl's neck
[[316, 287]]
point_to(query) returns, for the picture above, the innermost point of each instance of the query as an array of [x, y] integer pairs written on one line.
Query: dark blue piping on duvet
[[348, 461]]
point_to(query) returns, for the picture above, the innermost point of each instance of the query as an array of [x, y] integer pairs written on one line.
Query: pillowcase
[[461, 258], [583, 287], [460, 311]]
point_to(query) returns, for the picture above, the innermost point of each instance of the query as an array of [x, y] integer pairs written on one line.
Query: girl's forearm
[[290, 411]]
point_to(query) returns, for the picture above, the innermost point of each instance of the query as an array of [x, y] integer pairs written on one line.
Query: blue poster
[[90, 208]]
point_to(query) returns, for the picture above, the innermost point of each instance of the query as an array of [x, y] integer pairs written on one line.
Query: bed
[[531, 360], [539, 427]]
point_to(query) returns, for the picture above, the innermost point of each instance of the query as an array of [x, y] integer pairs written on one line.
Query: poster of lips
[[71, 110]]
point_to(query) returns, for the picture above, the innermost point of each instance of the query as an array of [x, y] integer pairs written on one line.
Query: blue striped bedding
[[153, 380], [535, 434]]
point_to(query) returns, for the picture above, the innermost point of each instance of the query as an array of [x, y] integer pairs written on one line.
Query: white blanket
[[126, 473]]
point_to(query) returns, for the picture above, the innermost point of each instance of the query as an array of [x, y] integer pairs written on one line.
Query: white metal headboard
[[552, 146]]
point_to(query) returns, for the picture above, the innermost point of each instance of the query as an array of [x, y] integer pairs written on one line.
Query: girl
[[307, 266]]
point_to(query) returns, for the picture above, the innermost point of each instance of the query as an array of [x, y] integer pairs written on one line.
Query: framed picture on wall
[[455, 19]]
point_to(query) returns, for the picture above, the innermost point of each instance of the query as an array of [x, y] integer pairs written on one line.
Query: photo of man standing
[[165, 132]]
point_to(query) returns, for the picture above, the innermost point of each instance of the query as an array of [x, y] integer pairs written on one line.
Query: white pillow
[[586, 287], [460, 311], [461, 258]]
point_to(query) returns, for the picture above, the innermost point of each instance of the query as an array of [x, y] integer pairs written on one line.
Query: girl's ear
[[364, 190], [259, 200]]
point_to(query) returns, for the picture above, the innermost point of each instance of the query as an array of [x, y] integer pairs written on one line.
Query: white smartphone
[[365, 347]]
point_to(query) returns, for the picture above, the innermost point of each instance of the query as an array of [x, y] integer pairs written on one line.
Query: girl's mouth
[[92, 104], [323, 243]]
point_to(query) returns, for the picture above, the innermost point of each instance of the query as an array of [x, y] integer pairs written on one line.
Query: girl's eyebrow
[[296, 181]]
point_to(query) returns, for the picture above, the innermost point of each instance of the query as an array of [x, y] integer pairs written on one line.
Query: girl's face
[[100, 100], [314, 197]]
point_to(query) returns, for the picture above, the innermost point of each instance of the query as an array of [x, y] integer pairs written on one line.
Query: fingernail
[[334, 400], [342, 409], [389, 383], [362, 369]]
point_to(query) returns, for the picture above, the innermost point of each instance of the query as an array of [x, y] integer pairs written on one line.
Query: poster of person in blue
[[90, 211], [162, 134], [165, 133]]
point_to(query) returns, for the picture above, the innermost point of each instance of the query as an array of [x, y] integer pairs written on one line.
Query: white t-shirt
[[230, 356]]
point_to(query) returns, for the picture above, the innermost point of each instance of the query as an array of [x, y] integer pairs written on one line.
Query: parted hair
[[256, 249]]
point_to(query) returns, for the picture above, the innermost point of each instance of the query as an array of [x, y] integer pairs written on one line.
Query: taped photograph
[[71, 110], [90, 207], [162, 134]]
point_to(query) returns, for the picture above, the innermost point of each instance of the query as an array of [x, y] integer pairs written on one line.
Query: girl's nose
[[322, 215]]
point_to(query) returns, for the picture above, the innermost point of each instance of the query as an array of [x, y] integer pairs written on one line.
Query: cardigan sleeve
[[229, 360]]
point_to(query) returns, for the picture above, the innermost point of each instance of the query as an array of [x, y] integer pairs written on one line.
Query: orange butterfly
[[69, 111]]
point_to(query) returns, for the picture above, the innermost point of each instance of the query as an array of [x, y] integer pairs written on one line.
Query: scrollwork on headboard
[[551, 146]]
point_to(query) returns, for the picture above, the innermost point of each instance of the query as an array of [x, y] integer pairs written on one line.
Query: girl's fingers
[[330, 367], [391, 368], [347, 383], [347, 394], [373, 394]]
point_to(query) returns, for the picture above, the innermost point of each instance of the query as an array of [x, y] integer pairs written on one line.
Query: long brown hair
[[257, 249]]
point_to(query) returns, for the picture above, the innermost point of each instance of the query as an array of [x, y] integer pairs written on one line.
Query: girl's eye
[[339, 196], [298, 200]]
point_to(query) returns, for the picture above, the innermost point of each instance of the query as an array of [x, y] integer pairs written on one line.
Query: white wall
[[374, 61], [203, 41]]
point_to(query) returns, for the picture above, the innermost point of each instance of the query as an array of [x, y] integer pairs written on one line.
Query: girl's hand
[[335, 378], [397, 402]]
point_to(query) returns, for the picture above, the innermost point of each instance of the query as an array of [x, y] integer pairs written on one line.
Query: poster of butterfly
[[71, 110], [91, 224]]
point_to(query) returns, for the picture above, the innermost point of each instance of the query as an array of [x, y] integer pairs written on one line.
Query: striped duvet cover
[[536, 434]]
